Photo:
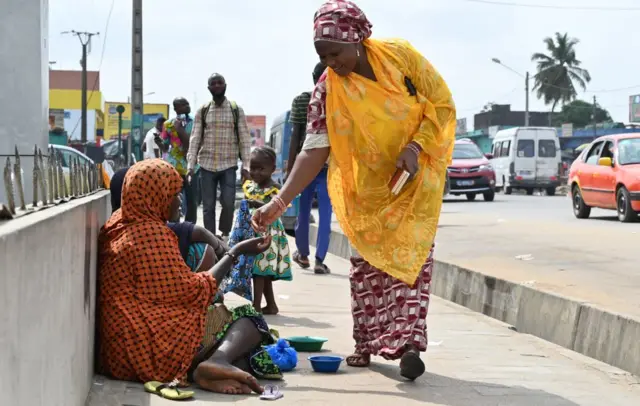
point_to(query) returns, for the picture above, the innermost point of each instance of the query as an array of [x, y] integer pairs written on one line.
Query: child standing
[[275, 262]]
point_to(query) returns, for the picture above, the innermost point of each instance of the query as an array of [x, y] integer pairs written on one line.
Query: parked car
[[607, 175], [470, 172], [527, 158], [66, 154]]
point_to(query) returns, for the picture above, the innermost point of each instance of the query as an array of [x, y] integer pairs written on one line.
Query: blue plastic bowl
[[325, 363]]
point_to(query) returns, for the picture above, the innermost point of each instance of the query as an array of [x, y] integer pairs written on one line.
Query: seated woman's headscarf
[[152, 307]]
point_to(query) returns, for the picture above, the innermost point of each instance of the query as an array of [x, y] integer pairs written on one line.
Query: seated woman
[[155, 318], [199, 248]]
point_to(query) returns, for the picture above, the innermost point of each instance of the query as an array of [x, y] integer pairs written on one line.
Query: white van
[[527, 158]]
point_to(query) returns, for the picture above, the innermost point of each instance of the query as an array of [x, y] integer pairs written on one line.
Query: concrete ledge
[[569, 322], [48, 263]]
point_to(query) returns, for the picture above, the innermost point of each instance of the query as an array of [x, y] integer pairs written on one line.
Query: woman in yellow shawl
[[380, 107]]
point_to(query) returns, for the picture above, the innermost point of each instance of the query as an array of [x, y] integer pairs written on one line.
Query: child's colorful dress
[[274, 263]]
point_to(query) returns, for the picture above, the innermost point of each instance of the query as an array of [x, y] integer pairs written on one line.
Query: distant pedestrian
[[150, 147], [176, 136], [220, 139], [318, 185], [381, 112]]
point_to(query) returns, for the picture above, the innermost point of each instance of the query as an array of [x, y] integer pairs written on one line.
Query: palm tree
[[559, 71]]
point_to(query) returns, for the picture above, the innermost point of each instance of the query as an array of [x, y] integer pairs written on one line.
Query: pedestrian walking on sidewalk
[[220, 139], [175, 136], [379, 110], [150, 147], [318, 185]]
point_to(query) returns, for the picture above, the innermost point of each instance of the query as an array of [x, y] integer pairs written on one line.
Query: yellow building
[[151, 113], [65, 103]]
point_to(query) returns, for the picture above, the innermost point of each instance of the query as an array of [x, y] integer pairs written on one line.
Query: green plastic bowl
[[306, 343]]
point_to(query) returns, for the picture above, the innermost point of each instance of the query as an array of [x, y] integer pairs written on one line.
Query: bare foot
[[270, 310], [359, 360], [226, 386], [217, 370]]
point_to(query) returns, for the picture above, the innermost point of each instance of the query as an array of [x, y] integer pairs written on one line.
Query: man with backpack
[[298, 119], [220, 136]]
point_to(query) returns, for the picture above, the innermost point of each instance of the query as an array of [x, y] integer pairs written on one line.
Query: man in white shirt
[[150, 147]]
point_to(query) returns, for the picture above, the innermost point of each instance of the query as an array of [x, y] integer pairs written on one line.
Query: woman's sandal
[[304, 263], [168, 390], [411, 366], [359, 360]]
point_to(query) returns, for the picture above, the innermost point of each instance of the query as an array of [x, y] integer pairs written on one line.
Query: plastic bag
[[283, 355]]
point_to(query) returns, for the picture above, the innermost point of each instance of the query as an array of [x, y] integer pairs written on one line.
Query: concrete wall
[[24, 74], [48, 265]]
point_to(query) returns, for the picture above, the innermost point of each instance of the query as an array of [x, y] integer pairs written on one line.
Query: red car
[[607, 175], [470, 172]]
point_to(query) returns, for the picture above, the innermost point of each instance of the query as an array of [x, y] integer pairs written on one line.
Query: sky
[[265, 48]]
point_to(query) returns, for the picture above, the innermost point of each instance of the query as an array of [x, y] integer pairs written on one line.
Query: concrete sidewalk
[[472, 360], [574, 284]]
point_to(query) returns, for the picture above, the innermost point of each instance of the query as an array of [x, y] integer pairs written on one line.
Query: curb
[[571, 323]]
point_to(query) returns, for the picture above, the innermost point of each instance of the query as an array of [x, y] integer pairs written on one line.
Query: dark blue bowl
[[325, 363]]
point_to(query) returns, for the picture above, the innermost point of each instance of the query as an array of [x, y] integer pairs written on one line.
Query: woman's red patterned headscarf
[[341, 21]]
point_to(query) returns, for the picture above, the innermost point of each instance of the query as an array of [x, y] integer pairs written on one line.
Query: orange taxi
[[607, 175]]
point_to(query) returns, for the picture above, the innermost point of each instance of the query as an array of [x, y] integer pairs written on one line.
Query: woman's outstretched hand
[[265, 215], [408, 159], [253, 246]]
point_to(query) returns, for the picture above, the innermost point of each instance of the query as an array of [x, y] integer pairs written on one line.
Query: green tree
[[559, 71], [579, 113]]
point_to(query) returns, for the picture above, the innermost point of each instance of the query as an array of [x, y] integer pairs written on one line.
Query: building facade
[[65, 104]]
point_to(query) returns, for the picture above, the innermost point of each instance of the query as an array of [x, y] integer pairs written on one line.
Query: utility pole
[[595, 121], [85, 41], [136, 80], [526, 102]]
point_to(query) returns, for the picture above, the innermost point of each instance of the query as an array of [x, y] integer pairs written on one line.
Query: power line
[[104, 44], [548, 6]]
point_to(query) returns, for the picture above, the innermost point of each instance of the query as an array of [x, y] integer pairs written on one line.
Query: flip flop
[[411, 366], [304, 264], [271, 392], [168, 390]]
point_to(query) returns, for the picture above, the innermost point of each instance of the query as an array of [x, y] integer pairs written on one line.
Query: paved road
[[536, 240], [472, 360]]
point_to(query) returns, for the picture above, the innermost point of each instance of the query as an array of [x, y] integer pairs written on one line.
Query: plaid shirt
[[218, 149]]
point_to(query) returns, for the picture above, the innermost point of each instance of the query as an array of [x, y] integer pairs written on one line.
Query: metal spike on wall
[[78, 178], [50, 179], [92, 177], [42, 180], [100, 178], [64, 192], [80, 191], [56, 176], [72, 178], [18, 176], [83, 178], [8, 187], [36, 170]]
